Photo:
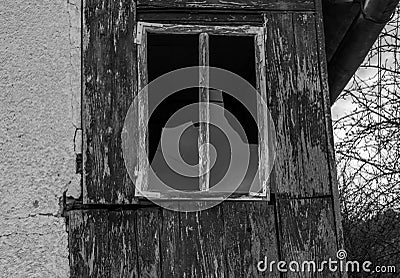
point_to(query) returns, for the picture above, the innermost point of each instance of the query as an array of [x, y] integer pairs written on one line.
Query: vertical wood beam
[[280, 87], [329, 129], [109, 87], [295, 96]]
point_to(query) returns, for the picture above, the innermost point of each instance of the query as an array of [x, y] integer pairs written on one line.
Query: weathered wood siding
[[108, 239], [109, 87], [296, 102], [282, 5], [224, 241]]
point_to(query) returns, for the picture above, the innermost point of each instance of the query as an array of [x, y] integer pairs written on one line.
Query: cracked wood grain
[[296, 103], [307, 231], [148, 242], [250, 235], [109, 73], [228, 4], [225, 241], [102, 243], [201, 237]]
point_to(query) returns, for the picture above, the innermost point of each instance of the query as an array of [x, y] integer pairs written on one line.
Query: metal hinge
[[139, 32], [78, 151]]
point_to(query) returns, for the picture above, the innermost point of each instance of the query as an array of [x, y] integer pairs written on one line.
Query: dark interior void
[[168, 52], [236, 54]]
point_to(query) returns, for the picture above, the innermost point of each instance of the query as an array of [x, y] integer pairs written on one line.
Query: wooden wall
[[110, 236]]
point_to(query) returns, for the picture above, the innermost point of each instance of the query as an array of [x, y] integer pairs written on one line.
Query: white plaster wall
[[39, 113]]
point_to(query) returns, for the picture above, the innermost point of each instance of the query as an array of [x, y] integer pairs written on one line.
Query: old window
[[200, 133]]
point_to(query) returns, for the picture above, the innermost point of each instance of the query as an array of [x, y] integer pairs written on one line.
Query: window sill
[[201, 196]]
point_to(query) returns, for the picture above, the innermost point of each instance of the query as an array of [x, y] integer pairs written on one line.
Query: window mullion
[[204, 113]]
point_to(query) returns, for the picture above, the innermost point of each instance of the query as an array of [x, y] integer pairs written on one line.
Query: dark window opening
[[236, 54], [165, 53]]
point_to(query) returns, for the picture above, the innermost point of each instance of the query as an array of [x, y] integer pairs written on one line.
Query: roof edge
[[363, 32]]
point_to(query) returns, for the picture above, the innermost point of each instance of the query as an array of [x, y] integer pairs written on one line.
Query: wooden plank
[[109, 74], [202, 238], [102, 243], [224, 241], [263, 235], [307, 230], [96, 246], [201, 18], [250, 235], [75, 228], [170, 244], [315, 168], [152, 243], [281, 5], [280, 90], [237, 240], [148, 242], [122, 250], [212, 238], [329, 130], [295, 100], [204, 113]]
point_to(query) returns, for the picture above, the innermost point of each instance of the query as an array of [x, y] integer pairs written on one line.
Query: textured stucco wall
[[39, 114]]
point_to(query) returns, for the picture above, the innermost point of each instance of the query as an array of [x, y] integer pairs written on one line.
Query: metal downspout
[[363, 32]]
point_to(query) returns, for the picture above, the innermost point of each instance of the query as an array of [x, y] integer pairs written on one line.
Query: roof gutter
[[363, 32]]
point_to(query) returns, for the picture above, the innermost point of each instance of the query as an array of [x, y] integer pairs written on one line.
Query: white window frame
[[203, 31]]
